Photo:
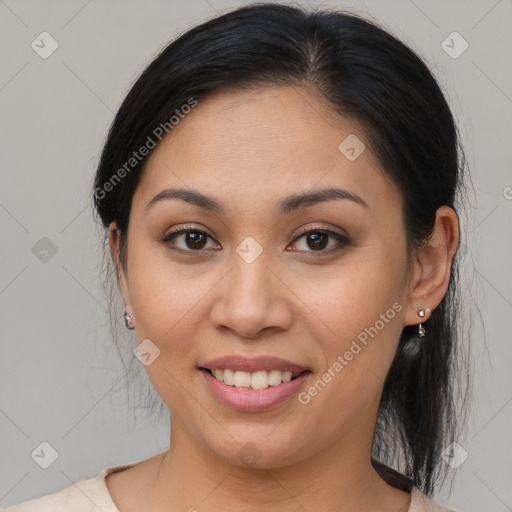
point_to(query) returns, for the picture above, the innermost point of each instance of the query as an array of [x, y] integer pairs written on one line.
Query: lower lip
[[253, 400]]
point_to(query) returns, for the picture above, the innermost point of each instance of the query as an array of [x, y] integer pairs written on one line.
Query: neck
[[340, 478]]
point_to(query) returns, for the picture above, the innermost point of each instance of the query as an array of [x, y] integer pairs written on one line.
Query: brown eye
[[195, 240], [317, 240], [191, 240]]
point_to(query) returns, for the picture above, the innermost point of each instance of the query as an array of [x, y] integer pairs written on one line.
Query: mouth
[[256, 391], [253, 384], [259, 372], [258, 380]]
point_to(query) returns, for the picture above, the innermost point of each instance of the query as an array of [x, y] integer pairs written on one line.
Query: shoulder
[[422, 503], [73, 497], [88, 495]]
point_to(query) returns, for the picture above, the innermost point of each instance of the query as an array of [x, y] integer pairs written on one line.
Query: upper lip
[[252, 364]]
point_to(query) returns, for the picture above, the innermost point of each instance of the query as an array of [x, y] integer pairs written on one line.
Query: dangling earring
[[128, 320], [421, 314]]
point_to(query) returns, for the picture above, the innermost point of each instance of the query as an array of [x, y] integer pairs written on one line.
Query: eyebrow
[[285, 206]]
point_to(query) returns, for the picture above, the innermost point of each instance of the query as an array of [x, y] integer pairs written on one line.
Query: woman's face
[[255, 286]]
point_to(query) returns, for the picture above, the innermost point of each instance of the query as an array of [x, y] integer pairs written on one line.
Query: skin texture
[[248, 150]]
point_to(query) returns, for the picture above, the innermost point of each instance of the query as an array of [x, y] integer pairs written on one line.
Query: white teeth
[[274, 377], [229, 377], [256, 380], [287, 376], [242, 379], [259, 380]]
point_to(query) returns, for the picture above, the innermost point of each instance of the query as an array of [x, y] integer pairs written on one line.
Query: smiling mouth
[[253, 380]]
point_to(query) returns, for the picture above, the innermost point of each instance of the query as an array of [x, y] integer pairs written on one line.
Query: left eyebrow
[[285, 206], [296, 201]]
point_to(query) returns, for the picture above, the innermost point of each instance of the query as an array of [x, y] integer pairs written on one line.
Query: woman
[[279, 191]]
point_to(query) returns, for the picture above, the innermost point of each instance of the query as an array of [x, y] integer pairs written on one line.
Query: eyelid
[[187, 227], [312, 227], [342, 239]]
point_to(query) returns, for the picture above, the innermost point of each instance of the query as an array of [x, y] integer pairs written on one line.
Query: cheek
[[357, 331], [357, 311], [352, 296], [167, 307], [167, 300]]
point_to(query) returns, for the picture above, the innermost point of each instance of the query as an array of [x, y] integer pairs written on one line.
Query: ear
[[431, 267], [114, 243]]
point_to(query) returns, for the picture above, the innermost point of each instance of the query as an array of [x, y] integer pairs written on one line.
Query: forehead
[[257, 144]]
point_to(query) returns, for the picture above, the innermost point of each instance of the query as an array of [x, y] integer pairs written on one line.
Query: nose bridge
[[249, 298], [250, 278]]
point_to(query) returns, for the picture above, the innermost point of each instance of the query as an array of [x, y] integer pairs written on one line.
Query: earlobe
[[432, 266]]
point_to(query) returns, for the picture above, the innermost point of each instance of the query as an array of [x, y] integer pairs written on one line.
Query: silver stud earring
[[421, 314], [128, 320]]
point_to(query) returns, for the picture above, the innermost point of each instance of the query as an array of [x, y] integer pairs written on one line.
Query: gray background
[[61, 379]]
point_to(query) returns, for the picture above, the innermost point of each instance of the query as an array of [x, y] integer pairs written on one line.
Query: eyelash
[[190, 229]]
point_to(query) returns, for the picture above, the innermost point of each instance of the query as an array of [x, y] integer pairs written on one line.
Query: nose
[[252, 298]]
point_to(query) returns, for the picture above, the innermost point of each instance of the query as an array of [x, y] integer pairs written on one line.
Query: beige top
[[92, 496]]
